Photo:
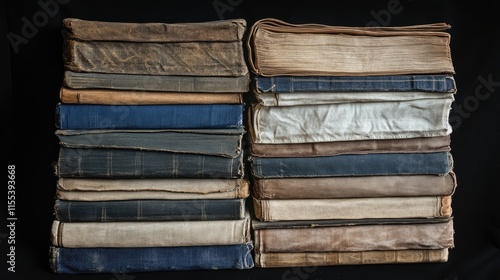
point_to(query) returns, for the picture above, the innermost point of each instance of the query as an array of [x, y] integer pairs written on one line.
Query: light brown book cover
[[303, 259], [354, 186], [131, 97], [281, 48]]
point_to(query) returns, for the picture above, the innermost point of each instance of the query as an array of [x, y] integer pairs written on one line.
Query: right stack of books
[[350, 144], [150, 170]]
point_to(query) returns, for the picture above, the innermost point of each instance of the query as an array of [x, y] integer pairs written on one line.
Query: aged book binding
[[130, 97], [150, 234], [162, 83], [87, 30], [354, 186], [301, 259], [104, 260], [280, 48], [270, 210], [92, 189], [191, 49], [353, 235]]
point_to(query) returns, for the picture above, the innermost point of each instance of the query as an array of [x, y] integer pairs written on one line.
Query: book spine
[[123, 97], [353, 165], [179, 58], [307, 84], [166, 116], [355, 238], [269, 210], [350, 258], [150, 233], [170, 83], [149, 210], [104, 260], [123, 163], [354, 186]]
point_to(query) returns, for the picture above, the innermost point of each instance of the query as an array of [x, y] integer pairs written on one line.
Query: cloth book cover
[[130, 97], [439, 163], [192, 49], [278, 48], [315, 259], [358, 235], [130, 163], [399, 186], [150, 233], [153, 83], [106, 189], [64, 260], [382, 83], [160, 116], [270, 210], [216, 142], [149, 210], [351, 121]]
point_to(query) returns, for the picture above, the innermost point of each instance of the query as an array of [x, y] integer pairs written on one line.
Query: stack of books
[[350, 144], [150, 170]]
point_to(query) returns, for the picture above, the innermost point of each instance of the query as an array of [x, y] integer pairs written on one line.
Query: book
[[143, 259], [439, 163], [149, 210], [357, 235], [217, 142], [278, 48], [351, 121], [163, 83], [147, 48], [385, 83], [318, 98], [270, 210], [106, 189], [130, 97], [130, 163], [150, 233], [315, 259], [161, 116], [400, 145], [354, 186]]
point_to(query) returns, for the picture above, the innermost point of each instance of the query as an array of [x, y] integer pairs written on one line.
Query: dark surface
[[32, 75]]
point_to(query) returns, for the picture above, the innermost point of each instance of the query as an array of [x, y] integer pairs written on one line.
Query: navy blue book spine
[[149, 210], [124, 163], [163, 116], [438, 163], [149, 259], [290, 84]]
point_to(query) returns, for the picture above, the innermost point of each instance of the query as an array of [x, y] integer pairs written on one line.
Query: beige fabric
[[150, 234], [269, 210], [280, 48]]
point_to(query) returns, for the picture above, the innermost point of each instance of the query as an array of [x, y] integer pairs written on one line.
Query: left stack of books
[[350, 144], [150, 169]]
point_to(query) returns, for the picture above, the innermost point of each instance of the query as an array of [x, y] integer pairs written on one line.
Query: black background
[[32, 75]]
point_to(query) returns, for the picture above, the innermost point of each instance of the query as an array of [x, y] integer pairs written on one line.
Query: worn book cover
[[193, 49], [277, 48], [65, 260]]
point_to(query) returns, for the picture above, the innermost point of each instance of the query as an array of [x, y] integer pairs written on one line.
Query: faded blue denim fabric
[[438, 163], [163, 116], [124, 260], [304, 84]]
